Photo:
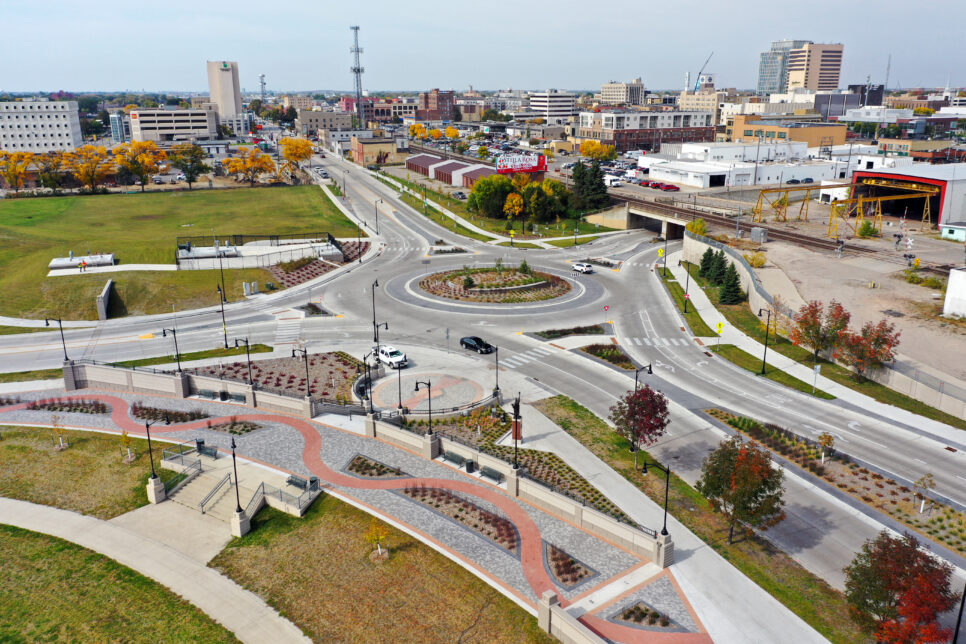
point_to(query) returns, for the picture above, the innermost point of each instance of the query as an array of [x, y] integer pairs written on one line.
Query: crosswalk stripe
[[511, 361], [636, 341], [543, 351], [648, 341], [521, 358]]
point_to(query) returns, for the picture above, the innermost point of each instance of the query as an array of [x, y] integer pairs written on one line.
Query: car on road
[[583, 267], [460, 195], [393, 357], [808, 180], [792, 181], [474, 343]]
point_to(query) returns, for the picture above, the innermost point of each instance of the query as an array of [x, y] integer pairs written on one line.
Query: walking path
[[238, 610]]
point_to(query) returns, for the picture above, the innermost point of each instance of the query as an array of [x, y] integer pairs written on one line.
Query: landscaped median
[[753, 364], [805, 594], [495, 284], [692, 317]]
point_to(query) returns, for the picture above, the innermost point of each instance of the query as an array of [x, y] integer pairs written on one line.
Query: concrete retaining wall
[[553, 619], [104, 300]]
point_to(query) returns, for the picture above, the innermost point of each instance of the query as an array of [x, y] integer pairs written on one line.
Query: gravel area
[[659, 595]]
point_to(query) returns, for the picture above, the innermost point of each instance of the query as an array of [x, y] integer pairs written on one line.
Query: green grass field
[[141, 228], [231, 352], [752, 363], [692, 317]]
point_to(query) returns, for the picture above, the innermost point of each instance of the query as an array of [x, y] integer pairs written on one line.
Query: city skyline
[[305, 48]]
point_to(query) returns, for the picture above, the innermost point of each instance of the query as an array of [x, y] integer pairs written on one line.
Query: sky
[[50, 45]]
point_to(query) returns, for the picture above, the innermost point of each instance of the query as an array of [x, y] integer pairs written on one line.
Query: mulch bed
[[331, 374]]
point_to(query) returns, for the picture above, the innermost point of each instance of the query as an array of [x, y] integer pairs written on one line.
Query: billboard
[[510, 163]]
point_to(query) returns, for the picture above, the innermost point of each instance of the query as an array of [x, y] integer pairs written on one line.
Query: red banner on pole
[[517, 430]]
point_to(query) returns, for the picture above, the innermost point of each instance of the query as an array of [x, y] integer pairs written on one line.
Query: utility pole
[[357, 70]]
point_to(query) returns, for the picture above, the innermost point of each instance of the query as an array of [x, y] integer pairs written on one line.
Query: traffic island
[[496, 284]]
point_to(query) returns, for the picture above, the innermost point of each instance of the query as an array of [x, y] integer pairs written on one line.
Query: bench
[[492, 474], [297, 481], [454, 458]]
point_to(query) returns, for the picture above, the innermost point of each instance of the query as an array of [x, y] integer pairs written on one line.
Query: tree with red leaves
[[641, 417], [818, 327], [740, 482], [870, 348], [897, 591]]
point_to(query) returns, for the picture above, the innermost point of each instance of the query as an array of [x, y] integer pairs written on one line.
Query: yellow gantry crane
[[777, 200], [867, 206]]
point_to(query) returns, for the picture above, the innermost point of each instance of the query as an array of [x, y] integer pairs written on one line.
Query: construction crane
[[697, 79]]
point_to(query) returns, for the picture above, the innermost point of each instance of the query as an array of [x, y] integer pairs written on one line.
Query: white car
[[582, 267], [393, 357]]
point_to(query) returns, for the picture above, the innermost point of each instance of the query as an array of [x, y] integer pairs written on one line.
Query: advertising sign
[[510, 163]]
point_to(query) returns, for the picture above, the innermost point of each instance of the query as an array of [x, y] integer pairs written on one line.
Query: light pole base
[[156, 491], [240, 524]]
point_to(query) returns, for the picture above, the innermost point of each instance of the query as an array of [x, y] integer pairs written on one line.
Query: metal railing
[[214, 490], [256, 500], [115, 365], [177, 453], [483, 402], [191, 470], [300, 502]]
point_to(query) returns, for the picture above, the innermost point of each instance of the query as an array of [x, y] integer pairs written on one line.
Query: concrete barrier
[[553, 619], [104, 300]]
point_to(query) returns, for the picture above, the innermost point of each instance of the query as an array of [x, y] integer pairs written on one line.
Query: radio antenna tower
[[261, 83], [357, 70]]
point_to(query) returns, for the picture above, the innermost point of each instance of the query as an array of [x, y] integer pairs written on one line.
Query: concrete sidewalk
[[733, 336], [238, 610]]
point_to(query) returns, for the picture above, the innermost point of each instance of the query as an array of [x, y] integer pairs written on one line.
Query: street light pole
[[221, 266], [235, 467], [60, 325], [399, 382], [376, 208], [147, 429], [305, 356], [767, 326], [667, 488], [516, 429], [224, 327], [687, 285], [638, 371], [248, 356], [496, 350], [429, 399], [177, 353]]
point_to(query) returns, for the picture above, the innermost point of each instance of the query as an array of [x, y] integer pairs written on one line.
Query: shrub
[[756, 260], [468, 282], [698, 227], [294, 265], [867, 229]]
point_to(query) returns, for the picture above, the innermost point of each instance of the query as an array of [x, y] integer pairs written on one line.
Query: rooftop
[[945, 172]]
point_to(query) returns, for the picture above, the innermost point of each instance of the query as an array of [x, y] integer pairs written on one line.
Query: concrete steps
[[222, 506]]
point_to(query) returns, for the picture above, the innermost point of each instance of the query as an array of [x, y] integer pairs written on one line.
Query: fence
[[262, 260], [247, 238], [266, 494]]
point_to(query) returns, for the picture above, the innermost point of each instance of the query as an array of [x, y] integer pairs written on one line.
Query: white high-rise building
[[39, 126], [615, 93], [553, 105], [224, 89]]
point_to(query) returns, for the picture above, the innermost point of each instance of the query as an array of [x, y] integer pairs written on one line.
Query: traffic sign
[[720, 327], [660, 252], [687, 296], [606, 308]]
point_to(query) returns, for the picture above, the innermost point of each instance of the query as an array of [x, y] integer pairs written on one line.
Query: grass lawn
[[196, 355], [141, 228], [316, 571], [747, 322], [692, 317], [569, 241], [808, 596], [87, 477], [747, 361], [519, 245], [440, 218], [39, 374], [14, 330], [55, 590]]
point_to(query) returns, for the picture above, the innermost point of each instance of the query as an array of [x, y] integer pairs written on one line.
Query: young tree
[[295, 150], [50, 169], [819, 328], [894, 588], [89, 163], [462, 147], [595, 191], [190, 159], [922, 488], [730, 291], [483, 152], [513, 206], [417, 131], [740, 482], [868, 349], [536, 202], [14, 166], [707, 259], [641, 417], [489, 194], [249, 165], [140, 158], [436, 134], [827, 441], [452, 132], [377, 533]]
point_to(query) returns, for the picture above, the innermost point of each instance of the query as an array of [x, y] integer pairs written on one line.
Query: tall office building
[[224, 88], [815, 67], [615, 93], [773, 66], [554, 106]]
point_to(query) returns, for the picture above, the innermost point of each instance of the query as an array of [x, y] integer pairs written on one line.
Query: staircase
[[220, 506]]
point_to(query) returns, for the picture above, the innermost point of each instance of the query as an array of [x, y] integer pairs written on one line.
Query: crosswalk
[[660, 342], [287, 330], [404, 248], [519, 359]]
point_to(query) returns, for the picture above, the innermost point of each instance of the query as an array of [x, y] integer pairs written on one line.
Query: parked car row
[[666, 187], [797, 181]]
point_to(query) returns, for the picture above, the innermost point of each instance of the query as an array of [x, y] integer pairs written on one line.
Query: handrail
[[214, 490], [194, 467], [257, 497]]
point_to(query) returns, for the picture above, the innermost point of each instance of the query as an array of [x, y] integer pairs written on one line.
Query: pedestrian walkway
[[288, 327], [515, 360], [730, 335], [240, 611]]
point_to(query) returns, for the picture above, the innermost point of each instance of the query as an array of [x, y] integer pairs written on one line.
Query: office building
[[815, 67], [309, 122], [554, 106], [223, 87], [750, 129], [162, 125], [868, 94], [298, 101], [39, 126], [627, 130], [773, 66], [120, 127], [615, 93], [435, 105], [240, 125]]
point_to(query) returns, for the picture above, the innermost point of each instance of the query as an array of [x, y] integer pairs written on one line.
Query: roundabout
[[498, 285]]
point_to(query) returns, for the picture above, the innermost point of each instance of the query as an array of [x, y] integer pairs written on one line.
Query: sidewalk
[[733, 336], [238, 610]]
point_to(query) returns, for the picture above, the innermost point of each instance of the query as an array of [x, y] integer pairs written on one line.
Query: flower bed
[[492, 526], [483, 428], [553, 334], [234, 426], [938, 522], [70, 406], [566, 570], [138, 410], [501, 285], [299, 271], [640, 613], [331, 374], [6, 401], [611, 353], [368, 468]]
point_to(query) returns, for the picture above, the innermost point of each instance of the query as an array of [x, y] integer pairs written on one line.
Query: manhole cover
[[893, 314]]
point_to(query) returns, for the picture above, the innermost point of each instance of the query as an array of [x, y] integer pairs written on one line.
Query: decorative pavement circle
[[448, 391]]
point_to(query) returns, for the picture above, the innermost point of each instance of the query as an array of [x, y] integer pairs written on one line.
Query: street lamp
[[147, 429], [177, 354], [359, 242], [221, 266], [376, 208], [365, 362], [650, 372], [224, 327], [429, 399], [248, 356], [767, 326], [344, 173], [516, 429], [399, 382], [667, 487], [305, 356], [687, 284], [667, 230], [60, 325], [496, 350], [235, 467], [375, 325]]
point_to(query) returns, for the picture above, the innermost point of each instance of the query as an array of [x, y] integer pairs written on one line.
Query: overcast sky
[[48, 45]]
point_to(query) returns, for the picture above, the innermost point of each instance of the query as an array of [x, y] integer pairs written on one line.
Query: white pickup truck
[[393, 357]]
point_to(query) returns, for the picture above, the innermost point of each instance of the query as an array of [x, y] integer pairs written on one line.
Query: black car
[[474, 343]]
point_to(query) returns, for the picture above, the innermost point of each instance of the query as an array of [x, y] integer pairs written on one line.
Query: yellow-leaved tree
[[14, 166], [436, 134], [249, 165], [452, 132], [140, 158], [598, 151], [89, 163], [296, 150], [377, 533], [513, 206], [417, 131]]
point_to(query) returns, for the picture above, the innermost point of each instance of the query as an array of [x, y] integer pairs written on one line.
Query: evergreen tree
[[580, 185], [730, 291], [718, 266], [596, 194], [706, 260]]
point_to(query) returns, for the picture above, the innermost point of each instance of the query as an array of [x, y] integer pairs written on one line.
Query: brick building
[[436, 105]]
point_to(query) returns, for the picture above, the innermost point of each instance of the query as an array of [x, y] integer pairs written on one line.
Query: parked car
[[393, 357], [657, 184], [793, 181], [180, 177], [474, 343], [808, 180], [667, 187], [460, 195], [157, 180], [583, 267]]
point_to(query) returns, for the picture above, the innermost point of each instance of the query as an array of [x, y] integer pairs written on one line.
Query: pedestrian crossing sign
[[660, 252], [720, 327]]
